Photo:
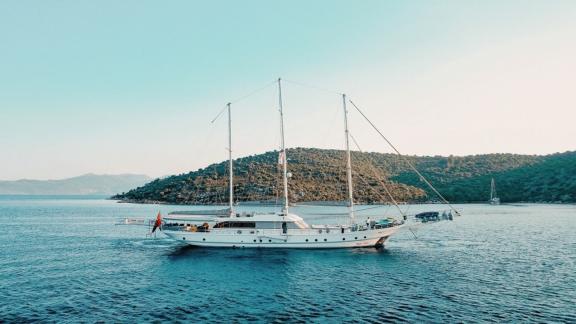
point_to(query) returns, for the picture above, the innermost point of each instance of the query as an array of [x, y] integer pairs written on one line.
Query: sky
[[127, 86]]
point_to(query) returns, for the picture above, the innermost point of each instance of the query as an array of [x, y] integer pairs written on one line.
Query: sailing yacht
[[283, 229], [494, 200]]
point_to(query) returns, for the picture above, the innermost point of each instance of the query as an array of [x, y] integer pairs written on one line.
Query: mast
[[348, 163], [492, 189], [230, 169], [283, 150]]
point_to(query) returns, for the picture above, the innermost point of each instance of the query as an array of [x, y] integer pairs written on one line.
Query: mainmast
[[230, 169], [283, 151], [348, 163]]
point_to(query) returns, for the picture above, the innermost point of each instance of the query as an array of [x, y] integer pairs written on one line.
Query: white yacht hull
[[299, 240]]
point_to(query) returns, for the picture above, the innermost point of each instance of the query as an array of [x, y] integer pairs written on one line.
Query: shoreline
[[330, 203]]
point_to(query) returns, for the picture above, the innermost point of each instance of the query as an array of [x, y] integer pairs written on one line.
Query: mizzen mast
[[283, 150], [230, 168], [348, 162]]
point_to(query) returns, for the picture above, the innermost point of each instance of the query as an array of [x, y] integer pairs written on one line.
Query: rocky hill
[[319, 175]]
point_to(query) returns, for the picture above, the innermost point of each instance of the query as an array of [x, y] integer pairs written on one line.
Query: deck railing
[[278, 231]]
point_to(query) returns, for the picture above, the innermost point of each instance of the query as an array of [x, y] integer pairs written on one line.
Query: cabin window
[[306, 240], [315, 240], [269, 241], [356, 238], [204, 239], [254, 241], [235, 225], [343, 239], [325, 240]]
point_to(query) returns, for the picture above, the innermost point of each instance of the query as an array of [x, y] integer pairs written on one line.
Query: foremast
[[348, 163]]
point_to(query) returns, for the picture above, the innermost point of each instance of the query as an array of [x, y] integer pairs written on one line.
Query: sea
[[63, 259]]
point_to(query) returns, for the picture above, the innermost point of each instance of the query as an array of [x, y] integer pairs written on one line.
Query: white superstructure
[[276, 230]]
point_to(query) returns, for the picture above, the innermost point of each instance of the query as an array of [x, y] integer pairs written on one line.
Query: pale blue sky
[[131, 86]]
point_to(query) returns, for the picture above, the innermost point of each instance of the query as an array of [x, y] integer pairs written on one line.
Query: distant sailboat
[[494, 200]]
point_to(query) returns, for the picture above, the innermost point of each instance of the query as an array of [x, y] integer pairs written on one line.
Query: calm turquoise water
[[64, 260]]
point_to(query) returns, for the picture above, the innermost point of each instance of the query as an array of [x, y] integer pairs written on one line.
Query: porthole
[[315, 240], [356, 238], [364, 236], [325, 240], [183, 239], [269, 241], [254, 241], [260, 241], [204, 239], [306, 240], [343, 239]]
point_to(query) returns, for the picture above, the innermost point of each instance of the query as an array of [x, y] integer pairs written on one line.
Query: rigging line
[[331, 126], [355, 142], [371, 207], [253, 92], [406, 160], [307, 205], [242, 98], [305, 85], [416, 237], [382, 183], [332, 215], [219, 114], [379, 194]]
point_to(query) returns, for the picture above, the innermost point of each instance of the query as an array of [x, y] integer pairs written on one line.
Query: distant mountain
[[88, 184], [319, 175]]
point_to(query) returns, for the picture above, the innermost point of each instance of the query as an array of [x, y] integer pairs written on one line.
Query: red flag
[[158, 222]]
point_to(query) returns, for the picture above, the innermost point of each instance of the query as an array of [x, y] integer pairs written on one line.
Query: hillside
[[319, 175], [88, 184]]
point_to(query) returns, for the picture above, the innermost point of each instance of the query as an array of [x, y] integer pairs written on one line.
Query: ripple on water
[[494, 265]]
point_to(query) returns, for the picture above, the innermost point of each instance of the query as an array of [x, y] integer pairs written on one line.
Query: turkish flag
[[158, 222]]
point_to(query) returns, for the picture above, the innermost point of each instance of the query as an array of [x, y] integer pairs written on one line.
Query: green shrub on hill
[[319, 175]]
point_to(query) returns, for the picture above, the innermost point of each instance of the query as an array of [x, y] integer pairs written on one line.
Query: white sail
[[494, 200]]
